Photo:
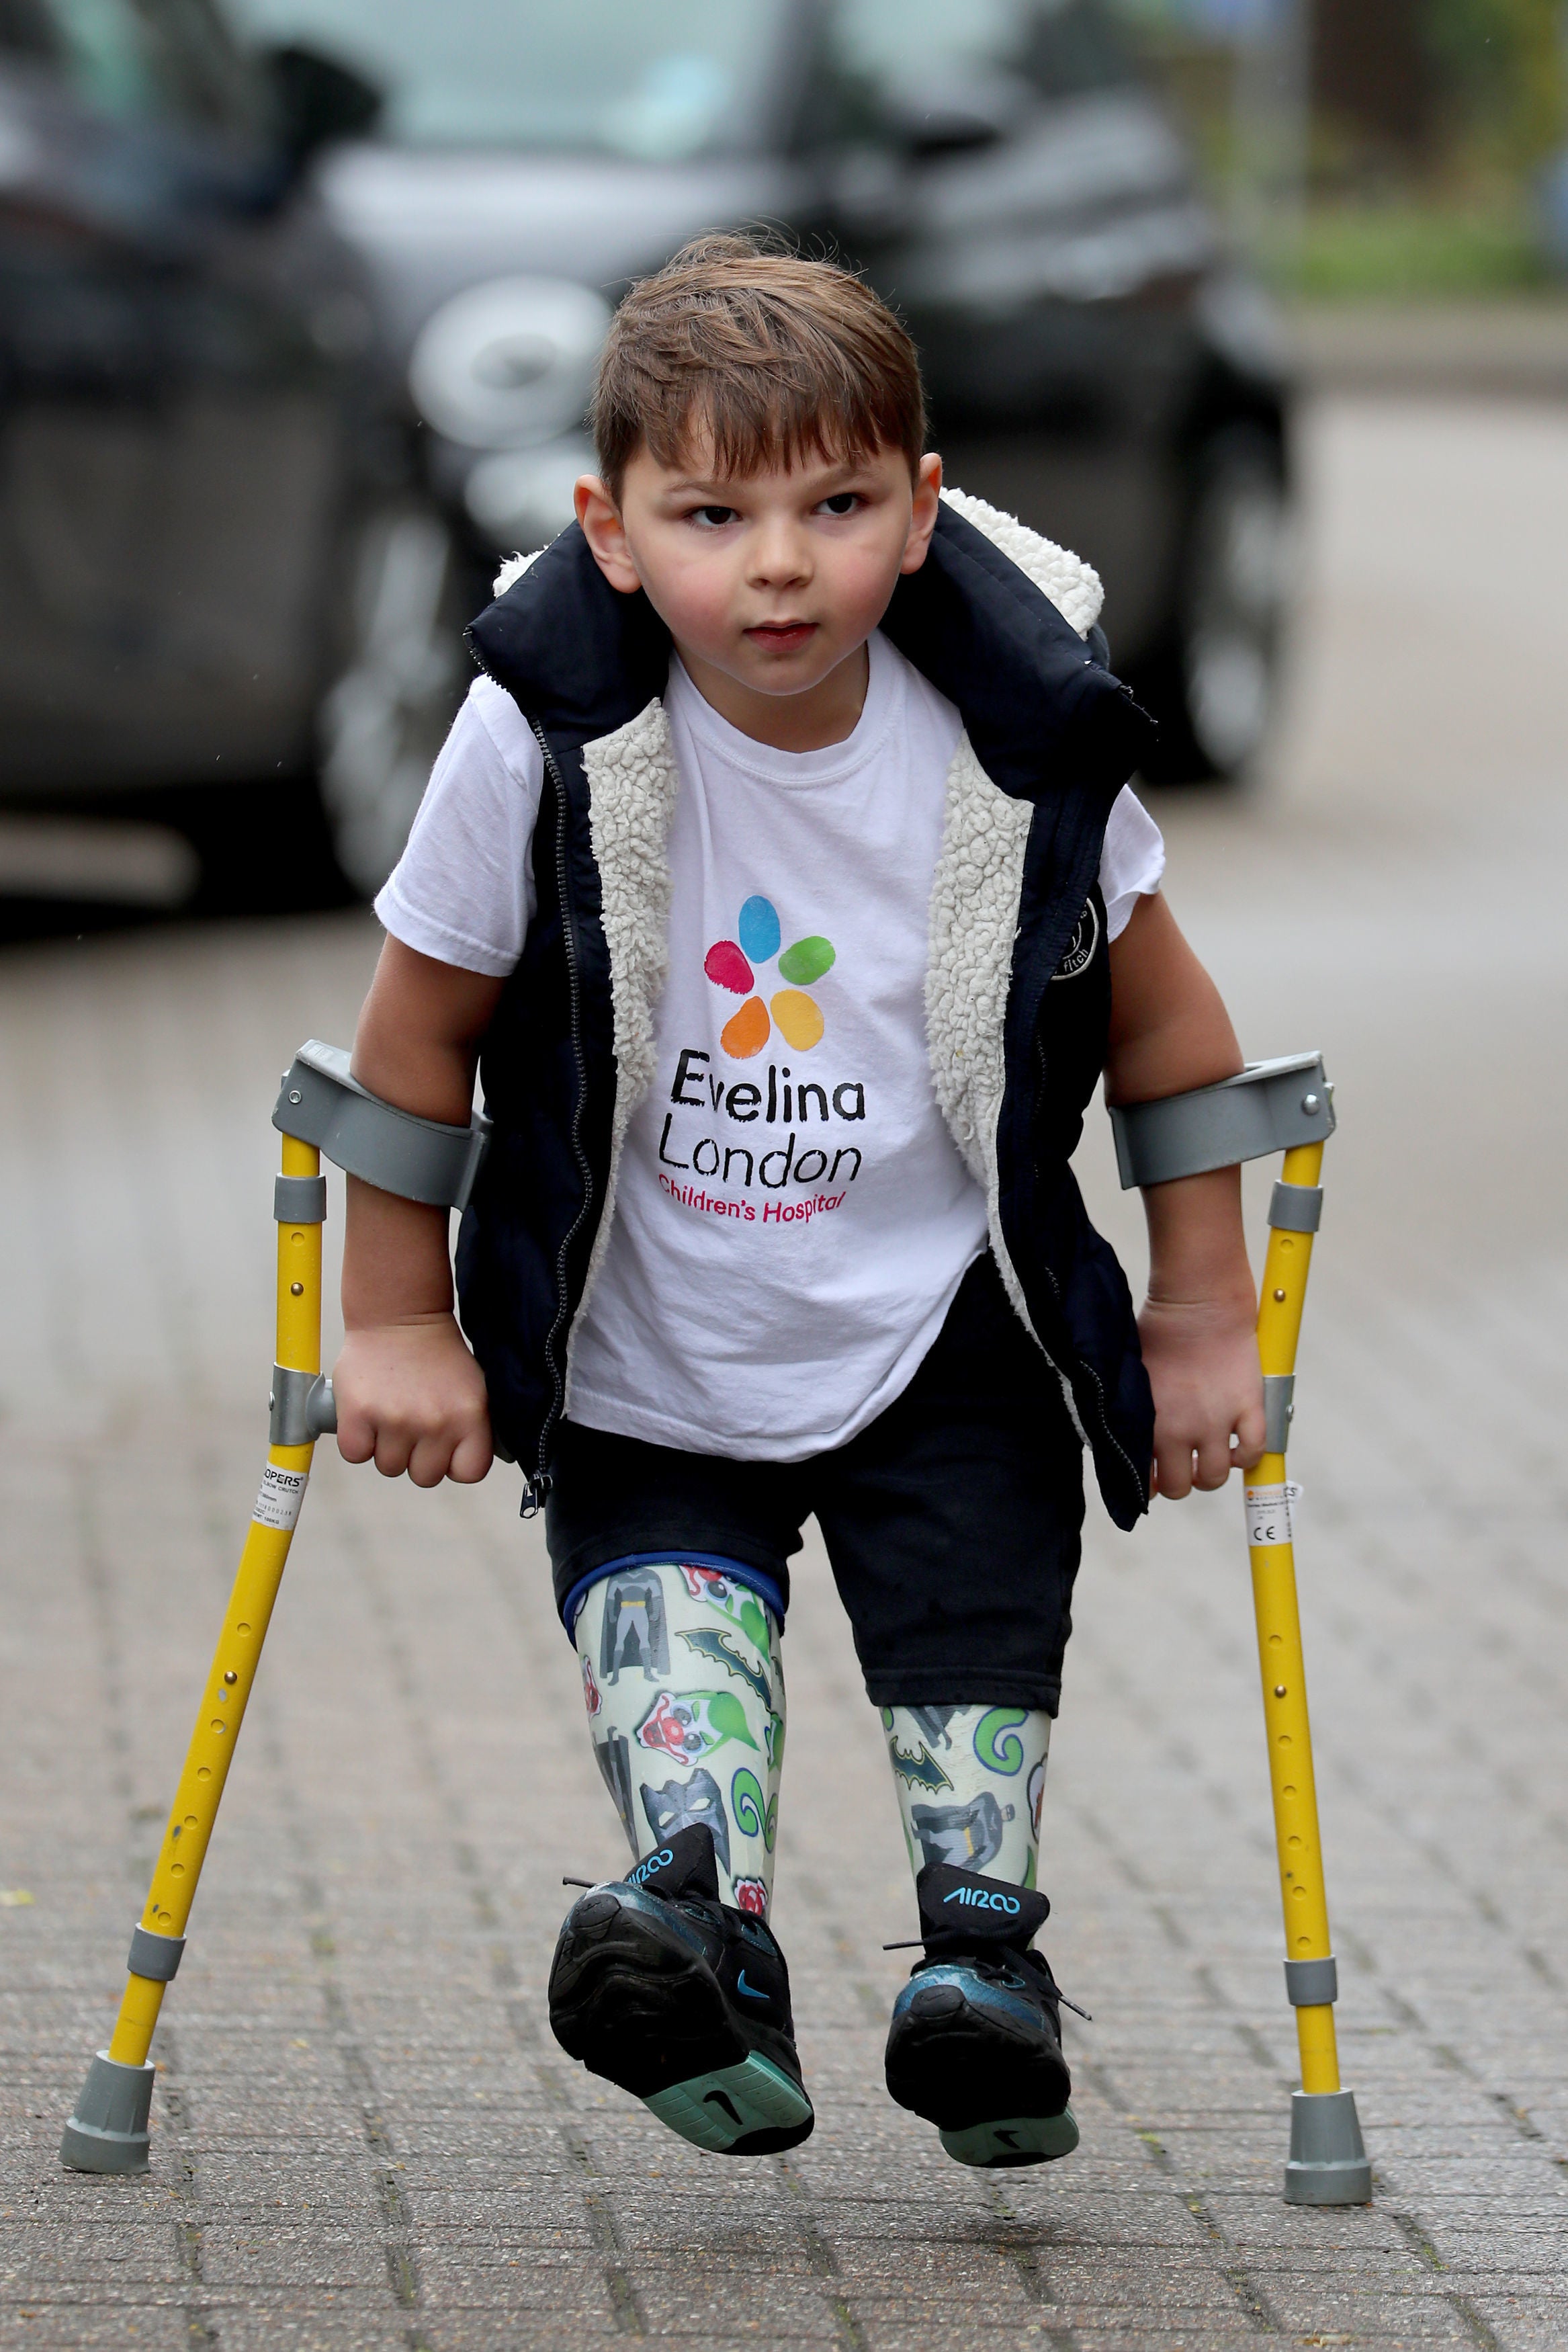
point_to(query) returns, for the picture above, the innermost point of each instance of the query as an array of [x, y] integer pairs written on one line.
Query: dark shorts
[[953, 1522]]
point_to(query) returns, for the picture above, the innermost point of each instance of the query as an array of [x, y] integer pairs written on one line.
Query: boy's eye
[[712, 518], [843, 502]]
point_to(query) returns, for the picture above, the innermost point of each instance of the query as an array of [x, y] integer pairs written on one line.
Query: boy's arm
[[409, 1393], [1170, 1031]]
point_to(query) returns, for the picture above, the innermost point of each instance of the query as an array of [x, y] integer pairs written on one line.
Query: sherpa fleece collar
[[582, 659]]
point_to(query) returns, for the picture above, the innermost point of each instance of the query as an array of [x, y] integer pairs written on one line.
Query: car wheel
[[384, 720], [1214, 692]]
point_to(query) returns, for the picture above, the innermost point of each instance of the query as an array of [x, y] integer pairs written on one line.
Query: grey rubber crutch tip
[[1329, 2165], [107, 2133]]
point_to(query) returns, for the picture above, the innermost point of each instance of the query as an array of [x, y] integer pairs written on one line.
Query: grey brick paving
[[365, 2135]]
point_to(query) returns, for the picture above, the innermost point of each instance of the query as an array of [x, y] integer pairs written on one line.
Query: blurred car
[[235, 519], [185, 373], [1096, 362]]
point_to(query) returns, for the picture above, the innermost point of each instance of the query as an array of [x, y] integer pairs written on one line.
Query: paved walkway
[[1506, 345], [365, 2135]]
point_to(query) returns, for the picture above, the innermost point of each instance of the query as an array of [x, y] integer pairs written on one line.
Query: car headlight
[[508, 362], [522, 498]]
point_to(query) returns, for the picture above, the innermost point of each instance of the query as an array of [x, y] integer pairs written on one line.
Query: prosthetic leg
[[1269, 1107], [320, 1110]]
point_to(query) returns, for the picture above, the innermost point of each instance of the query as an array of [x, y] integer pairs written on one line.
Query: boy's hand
[[410, 1396], [409, 1393], [1170, 1033], [1202, 1360]]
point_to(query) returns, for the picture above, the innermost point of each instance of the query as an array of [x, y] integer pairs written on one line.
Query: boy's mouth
[[782, 636]]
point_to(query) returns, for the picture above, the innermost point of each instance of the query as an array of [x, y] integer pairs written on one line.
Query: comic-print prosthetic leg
[[685, 1689], [974, 2044], [970, 1781], [669, 1982]]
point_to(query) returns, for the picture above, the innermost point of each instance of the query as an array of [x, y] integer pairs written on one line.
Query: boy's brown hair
[[767, 355]]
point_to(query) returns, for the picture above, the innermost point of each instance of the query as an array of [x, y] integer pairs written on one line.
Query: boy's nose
[[779, 557]]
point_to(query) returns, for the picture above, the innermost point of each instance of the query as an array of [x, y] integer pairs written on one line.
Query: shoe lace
[[700, 1907], [696, 1907], [1040, 1966], [997, 1969]]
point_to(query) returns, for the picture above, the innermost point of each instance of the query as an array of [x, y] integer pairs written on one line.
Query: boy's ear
[[605, 534], [923, 520]]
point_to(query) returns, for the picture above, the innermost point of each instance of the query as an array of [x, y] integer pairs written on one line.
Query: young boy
[[779, 875]]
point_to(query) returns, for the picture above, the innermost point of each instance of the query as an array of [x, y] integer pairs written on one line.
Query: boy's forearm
[[417, 1041], [1197, 1245], [1169, 1029], [416, 1045], [1170, 1033], [397, 1259]]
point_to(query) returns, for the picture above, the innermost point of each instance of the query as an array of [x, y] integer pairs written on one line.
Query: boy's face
[[768, 582]]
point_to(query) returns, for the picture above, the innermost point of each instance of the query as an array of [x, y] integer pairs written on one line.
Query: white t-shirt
[[792, 1217]]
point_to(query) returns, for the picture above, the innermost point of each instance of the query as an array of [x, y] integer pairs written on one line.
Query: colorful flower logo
[[729, 964]]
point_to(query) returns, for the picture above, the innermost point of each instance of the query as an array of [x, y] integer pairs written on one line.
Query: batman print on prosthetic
[[920, 1771], [969, 1836], [613, 1757], [634, 1632], [686, 1805], [932, 1722], [969, 1782], [720, 1647], [682, 1682]]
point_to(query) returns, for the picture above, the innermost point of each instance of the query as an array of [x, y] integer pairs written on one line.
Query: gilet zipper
[[536, 1482], [1087, 1370]]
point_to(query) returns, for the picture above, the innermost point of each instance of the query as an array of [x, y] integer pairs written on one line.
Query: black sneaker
[[975, 2041], [684, 2001]]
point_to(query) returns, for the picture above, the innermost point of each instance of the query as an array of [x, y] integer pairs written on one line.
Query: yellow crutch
[[320, 1110], [1286, 1105]]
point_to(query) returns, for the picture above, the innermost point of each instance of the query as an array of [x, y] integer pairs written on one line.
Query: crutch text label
[[282, 1492], [1269, 1514]]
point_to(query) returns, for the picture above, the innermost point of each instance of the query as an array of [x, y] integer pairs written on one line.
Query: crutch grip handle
[[303, 1407], [321, 1407]]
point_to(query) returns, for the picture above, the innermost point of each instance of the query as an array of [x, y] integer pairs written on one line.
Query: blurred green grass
[[1412, 249]]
